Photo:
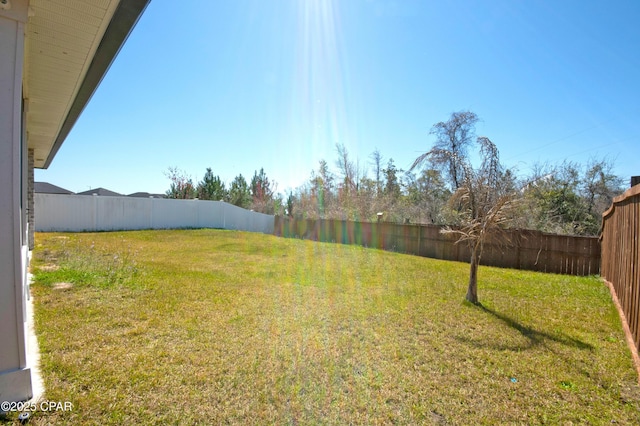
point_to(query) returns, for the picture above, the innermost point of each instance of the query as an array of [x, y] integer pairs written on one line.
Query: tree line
[[259, 194], [566, 198]]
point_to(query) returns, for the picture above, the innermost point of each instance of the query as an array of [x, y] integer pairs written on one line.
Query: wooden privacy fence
[[519, 249], [621, 257]]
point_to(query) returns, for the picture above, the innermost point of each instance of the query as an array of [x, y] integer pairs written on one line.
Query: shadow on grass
[[533, 336], [536, 338]]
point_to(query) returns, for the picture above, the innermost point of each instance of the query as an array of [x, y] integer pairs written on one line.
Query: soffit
[[69, 46], [61, 40]]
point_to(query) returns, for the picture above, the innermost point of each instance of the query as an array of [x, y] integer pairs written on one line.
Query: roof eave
[[122, 23]]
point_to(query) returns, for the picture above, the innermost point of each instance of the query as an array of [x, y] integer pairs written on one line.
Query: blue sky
[[237, 85]]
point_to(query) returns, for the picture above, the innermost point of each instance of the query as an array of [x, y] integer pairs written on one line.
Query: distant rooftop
[[101, 192], [47, 188], [146, 195]]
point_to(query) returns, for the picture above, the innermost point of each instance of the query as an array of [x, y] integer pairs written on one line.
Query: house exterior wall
[[15, 375], [30, 192], [77, 213]]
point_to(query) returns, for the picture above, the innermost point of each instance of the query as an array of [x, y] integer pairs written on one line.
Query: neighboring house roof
[[102, 192], [47, 188], [146, 195], [69, 46]]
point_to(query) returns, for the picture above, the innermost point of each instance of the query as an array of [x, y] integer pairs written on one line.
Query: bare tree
[[376, 157], [482, 196], [181, 185], [453, 137], [346, 168], [600, 186]]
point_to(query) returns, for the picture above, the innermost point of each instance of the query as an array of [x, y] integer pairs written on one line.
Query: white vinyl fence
[[77, 213]]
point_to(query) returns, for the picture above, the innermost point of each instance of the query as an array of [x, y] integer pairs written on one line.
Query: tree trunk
[[472, 291]]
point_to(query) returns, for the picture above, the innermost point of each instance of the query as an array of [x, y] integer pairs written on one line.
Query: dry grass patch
[[210, 327], [48, 267], [62, 286]]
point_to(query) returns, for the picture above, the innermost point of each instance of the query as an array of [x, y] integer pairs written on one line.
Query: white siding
[[15, 374]]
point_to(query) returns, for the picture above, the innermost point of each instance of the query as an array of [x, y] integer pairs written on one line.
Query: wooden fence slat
[[519, 249], [621, 256]]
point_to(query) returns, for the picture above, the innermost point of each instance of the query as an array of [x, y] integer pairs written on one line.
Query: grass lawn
[[222, 327]]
